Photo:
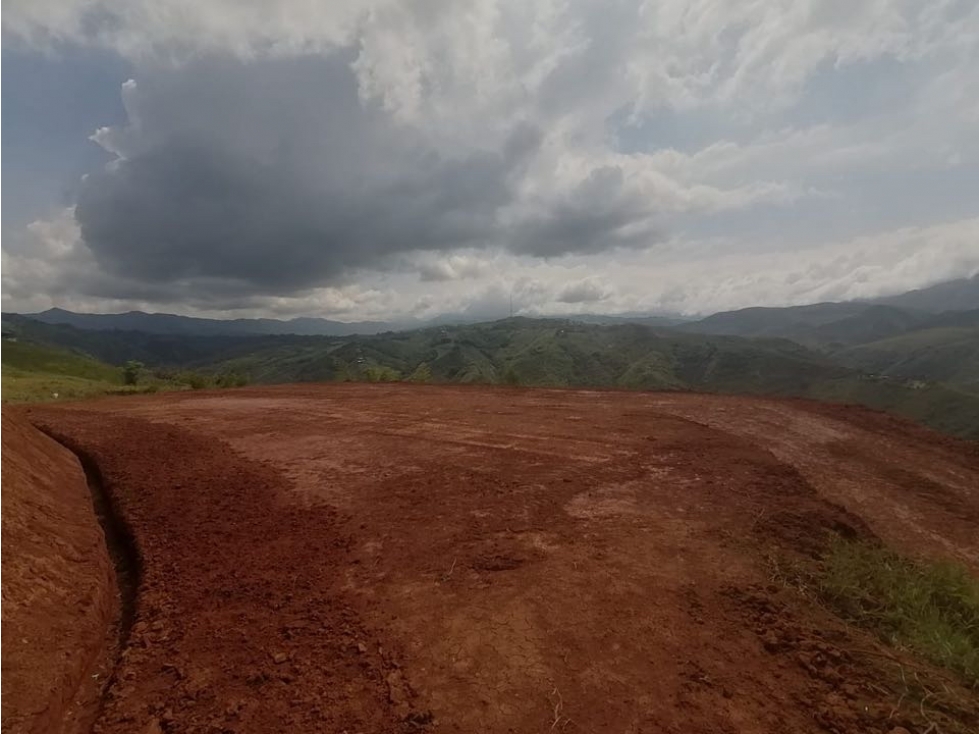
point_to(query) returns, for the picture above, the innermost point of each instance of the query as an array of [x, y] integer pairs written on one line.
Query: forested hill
[[547, 352]]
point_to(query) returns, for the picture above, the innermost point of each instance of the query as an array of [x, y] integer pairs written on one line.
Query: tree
[[510, 376], [422, 373], [131, 372]]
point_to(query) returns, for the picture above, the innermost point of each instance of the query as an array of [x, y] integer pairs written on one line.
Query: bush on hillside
[[231, 379], [377, 373], [131, 372], [422, 373], [510, 377]]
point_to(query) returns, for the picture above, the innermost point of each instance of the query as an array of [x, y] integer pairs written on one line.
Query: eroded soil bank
[[61, 607]]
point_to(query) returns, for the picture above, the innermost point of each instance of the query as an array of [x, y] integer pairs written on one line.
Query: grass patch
[[931, 608], [20, 358], [21, 387], [37, 373]]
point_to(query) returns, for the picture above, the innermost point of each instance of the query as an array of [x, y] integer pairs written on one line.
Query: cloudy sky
[[394, 159]]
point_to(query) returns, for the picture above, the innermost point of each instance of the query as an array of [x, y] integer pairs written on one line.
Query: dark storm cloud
[[190, 211], [598, 214], [274, 174]]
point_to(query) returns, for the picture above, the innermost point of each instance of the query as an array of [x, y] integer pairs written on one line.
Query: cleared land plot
[[396, 558]]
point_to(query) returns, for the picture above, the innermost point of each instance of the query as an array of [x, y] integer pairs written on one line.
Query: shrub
[[231, 379], [196, 380], [422, 373], [377, 373], [131, 372]]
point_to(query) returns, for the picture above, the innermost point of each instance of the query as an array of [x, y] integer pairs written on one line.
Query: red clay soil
[[59, 594], [411, 558]]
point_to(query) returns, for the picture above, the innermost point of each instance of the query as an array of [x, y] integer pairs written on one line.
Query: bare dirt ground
[[59, 593], [369, 558]]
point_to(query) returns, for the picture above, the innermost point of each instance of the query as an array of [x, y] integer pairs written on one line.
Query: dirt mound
[[395, 558], [59, 595]]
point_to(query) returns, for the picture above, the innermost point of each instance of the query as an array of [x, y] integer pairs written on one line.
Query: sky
[[393, 160]]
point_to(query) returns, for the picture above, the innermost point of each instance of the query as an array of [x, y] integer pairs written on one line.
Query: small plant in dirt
[[931, 608]]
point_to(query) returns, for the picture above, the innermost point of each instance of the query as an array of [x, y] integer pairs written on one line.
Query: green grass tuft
[[931, 608]]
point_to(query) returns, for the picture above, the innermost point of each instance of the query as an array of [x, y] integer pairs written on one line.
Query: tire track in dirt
[[917, 490]]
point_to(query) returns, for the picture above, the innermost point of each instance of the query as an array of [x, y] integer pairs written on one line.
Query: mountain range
[[919, 360], [956, 295], [165, 323]]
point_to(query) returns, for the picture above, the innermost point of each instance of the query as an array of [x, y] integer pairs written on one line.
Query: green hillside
[[568, 354], [877, 339], [34, 372], [547, 352], [944, 354], [19, 357], [539, 352], [936, 405]]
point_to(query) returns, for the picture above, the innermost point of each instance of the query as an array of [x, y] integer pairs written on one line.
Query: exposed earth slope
[[59, 596], [404, 558]]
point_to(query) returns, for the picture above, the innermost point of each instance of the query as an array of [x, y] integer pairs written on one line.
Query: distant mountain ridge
[[172, 324], [839, 325], [961, 294], [813, 325], [165, 323]]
